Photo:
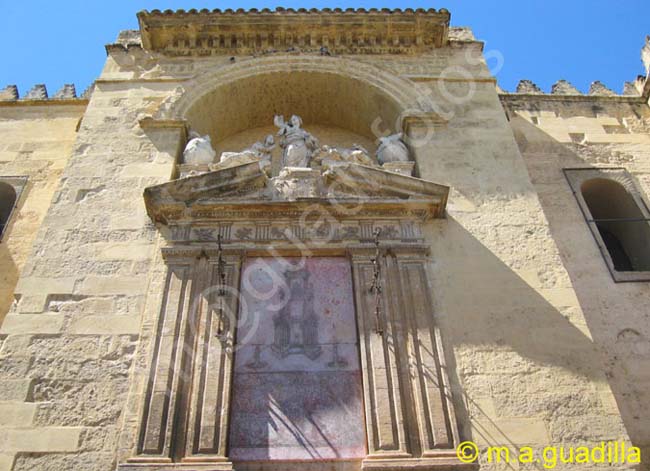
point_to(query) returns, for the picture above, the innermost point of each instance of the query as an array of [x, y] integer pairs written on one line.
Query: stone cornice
[[48, 102], [531, 97], [216, 32], [345, 191]]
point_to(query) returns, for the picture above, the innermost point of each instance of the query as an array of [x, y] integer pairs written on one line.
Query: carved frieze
[[329, 31]]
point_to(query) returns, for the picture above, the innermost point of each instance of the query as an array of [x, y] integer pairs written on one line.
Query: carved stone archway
[[334, 209]]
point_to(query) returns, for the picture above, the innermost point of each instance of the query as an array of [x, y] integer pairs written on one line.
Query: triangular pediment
[[245, 191]]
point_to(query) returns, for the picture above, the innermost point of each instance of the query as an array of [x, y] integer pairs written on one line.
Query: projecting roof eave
[[216, 32]]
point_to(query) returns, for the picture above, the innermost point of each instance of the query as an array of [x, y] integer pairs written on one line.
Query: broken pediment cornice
[[246, 192]]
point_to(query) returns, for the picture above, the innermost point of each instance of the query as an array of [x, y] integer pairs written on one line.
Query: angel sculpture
[[297, 143]]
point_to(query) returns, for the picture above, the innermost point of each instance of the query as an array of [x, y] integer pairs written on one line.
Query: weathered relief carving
[[355, 154], [199, 150], [258, 152], [296, 182], [291, 400], [300, 149], [297, 144]]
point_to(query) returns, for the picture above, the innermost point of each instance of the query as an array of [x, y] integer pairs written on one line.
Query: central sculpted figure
[[297, 144]]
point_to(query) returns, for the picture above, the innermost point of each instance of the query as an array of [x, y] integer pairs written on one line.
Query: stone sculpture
[[261, 150], [392, 149], [297, 144], [355, 154], [199, 150]]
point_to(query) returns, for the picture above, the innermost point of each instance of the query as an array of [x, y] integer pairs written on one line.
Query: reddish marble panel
[[297, 383]]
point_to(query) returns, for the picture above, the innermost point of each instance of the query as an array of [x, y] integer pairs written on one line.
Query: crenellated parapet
[[67, 92], [38, 93], [9, 93], [567, 89], [598, 88], [637, 89], [563, 87], [527, 87]]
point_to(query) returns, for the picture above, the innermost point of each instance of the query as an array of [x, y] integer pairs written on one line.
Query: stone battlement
[[39, 93], [565, 88]]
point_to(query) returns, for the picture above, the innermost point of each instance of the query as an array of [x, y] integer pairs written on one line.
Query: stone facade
[[484, 308]]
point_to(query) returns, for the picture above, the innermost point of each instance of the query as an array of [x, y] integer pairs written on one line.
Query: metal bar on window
[[619, 220]]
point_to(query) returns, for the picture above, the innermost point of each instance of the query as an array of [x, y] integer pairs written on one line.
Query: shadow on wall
[[8, 278], [528, 373], [617, 314], [8, 270]]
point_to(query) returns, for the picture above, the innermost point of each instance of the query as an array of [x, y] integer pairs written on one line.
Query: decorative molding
[[205, 33], [186, 410], [151, 123], [243, 193]]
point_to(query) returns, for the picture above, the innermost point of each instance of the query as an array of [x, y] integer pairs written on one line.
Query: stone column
[[427, 369]]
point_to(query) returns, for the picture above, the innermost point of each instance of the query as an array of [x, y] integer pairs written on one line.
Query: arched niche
[[340, 100], [340, 109]]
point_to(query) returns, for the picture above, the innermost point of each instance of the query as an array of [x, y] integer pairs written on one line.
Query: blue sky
[[57, 42]]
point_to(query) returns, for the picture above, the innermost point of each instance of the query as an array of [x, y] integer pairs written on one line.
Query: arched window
[[620, 223], [7, 202], [618, 218]]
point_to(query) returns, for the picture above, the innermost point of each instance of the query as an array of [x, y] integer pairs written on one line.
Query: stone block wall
[[67, 345], [577, 132], [36, 139]]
